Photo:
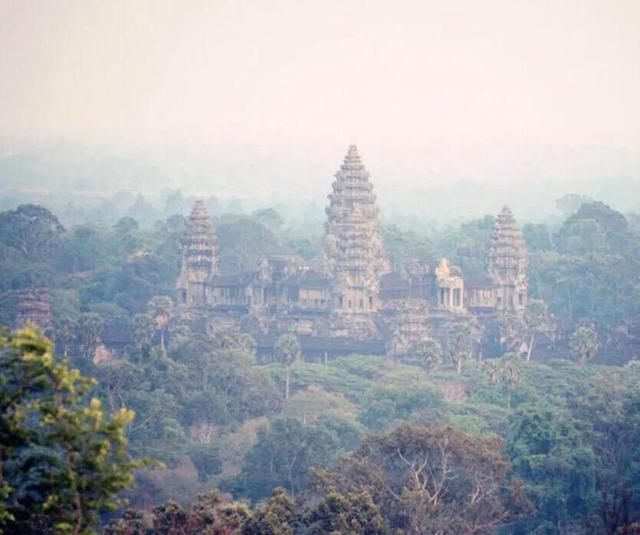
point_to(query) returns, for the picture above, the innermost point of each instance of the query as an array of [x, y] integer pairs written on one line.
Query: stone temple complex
[[349, 295]]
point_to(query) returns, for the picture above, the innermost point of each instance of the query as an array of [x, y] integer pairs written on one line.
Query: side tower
[[448, 288], [353, 247], [34, 306], [199, 248], [507, 263]]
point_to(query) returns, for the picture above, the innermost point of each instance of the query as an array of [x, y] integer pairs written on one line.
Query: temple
[[350, 292]]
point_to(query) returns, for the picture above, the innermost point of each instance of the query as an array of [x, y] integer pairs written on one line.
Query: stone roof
[[479, 282], [309, 279], [232, 280], [393, 281]]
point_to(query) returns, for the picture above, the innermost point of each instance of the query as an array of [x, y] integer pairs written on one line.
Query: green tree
[[160, 308], [538, 322], [143, 329], [84, 250], [550, 451], [275, 516], [430, 481], [287, 352], [63, 459], [210, 514], [584, 343], [90, 325], [269, 217], [459, 346], [206, 459], [224, 384], [537, 237], [512, 331], [31, 229], [131, 523], [570, 203], [397, 346], [595, 227], [65, 333], [507, 372], [339, 514], [282, 455]]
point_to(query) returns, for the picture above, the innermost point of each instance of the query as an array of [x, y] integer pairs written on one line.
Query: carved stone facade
[[350, 291]]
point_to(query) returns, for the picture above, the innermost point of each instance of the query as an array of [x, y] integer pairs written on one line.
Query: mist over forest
[[86, 183]]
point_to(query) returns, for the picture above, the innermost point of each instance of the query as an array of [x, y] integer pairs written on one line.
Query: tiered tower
[[34, 306], [507, 264], [353, 247], [199, 248]]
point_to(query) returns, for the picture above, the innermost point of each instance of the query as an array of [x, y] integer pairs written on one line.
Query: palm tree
[[538, 321], [507, 371], [397, 346], [143, 327], [460, 341], [65, 331], [90, 330], [584, 343], [160, 309], [427, 353], [287, 351]]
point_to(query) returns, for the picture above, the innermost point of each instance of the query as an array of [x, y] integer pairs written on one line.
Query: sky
[[452, 87]]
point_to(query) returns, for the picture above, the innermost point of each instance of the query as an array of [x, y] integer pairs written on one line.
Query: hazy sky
[[303, 78]]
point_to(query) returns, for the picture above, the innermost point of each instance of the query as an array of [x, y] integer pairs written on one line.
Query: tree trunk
[[162, 340], [286, 385], [459, 366], [530, 350]]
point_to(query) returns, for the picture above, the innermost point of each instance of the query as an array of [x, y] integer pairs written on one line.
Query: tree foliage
[[63, 459], [429, 481]]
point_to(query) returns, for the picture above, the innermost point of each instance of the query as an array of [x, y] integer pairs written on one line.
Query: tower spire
[[353, 244], [199, 249], [507, 262]]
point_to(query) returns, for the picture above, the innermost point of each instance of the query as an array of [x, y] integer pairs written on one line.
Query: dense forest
[[198, 435]]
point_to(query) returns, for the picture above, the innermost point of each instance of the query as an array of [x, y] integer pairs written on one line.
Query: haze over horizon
[[510, 93]]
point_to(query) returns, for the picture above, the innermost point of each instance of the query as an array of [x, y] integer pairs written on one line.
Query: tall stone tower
[[353, 247], [199, 248], [507, 263], [34, 306]]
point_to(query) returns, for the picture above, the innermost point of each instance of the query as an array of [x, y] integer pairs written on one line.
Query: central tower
[[353, 249]]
